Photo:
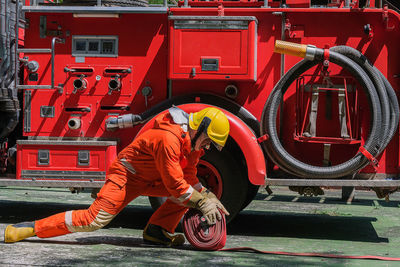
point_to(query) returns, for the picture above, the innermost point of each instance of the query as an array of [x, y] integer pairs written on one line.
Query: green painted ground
[[281, 222]]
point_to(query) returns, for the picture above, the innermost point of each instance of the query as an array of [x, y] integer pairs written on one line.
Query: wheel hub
[[210, 177]]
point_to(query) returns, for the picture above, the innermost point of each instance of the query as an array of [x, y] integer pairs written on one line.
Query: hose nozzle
[[294, 49]]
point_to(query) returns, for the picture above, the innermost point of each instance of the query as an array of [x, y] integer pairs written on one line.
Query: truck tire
[[220, 172], [252, 191]]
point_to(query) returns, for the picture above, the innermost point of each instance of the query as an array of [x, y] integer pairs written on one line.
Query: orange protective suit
[[163, 164]]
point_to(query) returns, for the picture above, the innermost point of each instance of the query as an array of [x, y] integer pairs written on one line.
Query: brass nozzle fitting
[[294, 49]]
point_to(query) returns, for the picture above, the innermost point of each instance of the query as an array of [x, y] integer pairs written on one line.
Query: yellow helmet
[[214, 122]]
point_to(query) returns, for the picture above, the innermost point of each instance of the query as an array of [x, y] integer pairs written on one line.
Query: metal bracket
[[35, 50], [293, 31], [385, 17]]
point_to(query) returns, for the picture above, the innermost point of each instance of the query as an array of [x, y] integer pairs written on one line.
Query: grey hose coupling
[[123, 121]]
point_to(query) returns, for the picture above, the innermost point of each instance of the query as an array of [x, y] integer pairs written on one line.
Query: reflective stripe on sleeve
[[127, 165], [185, 197], [199, 187]]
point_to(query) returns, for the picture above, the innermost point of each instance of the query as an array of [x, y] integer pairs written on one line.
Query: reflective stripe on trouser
[[111, 199], [68, 222]]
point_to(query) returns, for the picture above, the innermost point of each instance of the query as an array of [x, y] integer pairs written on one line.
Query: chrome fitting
[[123, 121], [310, 52], [74, 123]]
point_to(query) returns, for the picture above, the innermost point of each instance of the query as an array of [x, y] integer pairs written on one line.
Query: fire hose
[[201, 235], [213, 238], [384, 109]]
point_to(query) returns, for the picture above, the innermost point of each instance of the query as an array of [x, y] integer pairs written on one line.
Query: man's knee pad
[[102, 219]]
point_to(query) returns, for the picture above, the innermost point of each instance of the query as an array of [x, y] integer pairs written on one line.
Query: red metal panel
[[142, 49], [63, 158], [235, 50]]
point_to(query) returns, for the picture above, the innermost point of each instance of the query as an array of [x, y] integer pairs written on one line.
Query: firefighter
[[160, 162]]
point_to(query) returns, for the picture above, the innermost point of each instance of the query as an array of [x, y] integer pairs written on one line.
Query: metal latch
[[209, 64], [43, 157], [83, 157]]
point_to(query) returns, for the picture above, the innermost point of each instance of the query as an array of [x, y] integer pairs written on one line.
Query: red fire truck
[[309, 86]]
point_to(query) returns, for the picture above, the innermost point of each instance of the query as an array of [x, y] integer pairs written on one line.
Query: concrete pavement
[[283, 221]]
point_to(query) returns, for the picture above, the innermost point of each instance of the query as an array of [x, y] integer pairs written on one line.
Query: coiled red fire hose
[[206, 237], [201, 235]]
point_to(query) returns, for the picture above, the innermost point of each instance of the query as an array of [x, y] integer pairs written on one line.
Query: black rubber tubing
[[387, 96], [386, 93], [383, 105]]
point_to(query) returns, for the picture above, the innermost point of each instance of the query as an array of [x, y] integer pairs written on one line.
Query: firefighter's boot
[[19, 231], [154, 234]]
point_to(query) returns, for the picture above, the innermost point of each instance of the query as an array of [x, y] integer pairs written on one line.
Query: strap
[[326, 54], [374, 162], [342, 113], [263, 138], [202, 129], [179, 117], [312, 124]]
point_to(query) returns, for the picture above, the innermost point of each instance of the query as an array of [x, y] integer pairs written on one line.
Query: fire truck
[[309, 86]]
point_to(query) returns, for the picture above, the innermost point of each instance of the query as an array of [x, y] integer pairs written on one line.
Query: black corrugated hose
[[384, 110]]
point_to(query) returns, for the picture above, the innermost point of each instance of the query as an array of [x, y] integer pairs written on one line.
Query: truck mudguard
[[242, 135]]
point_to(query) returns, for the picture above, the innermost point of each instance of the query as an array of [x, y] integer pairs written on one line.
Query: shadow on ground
[[248, 223], [134, 251], [310, 226], [97, 240], [327, 200]]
